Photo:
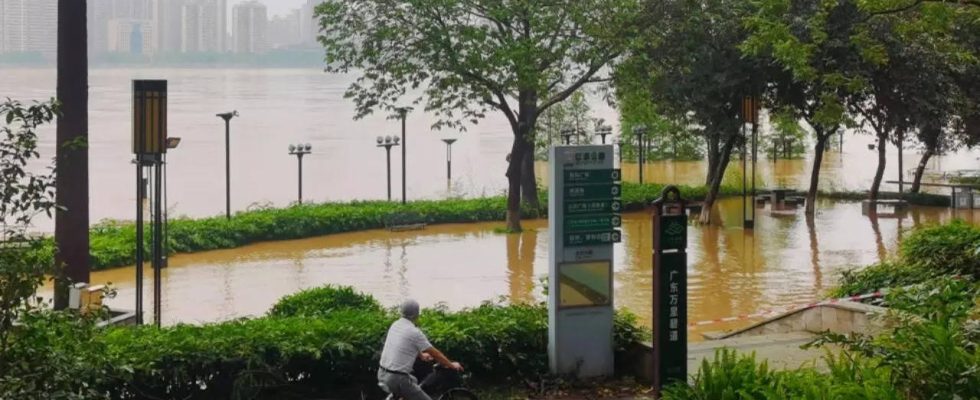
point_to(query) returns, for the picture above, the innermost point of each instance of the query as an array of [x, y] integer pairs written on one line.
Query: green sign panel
[[670, 318], [593, 238], [593, 207], [592, 223], [673, 232], [593, 176], [590, 192]]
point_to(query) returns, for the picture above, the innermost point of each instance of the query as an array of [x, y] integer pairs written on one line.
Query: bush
[[322, 301], [926, 253], [730, 376], [305, 351]]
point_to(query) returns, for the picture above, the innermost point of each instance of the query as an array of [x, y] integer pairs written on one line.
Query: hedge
[[325, 352], [113, 243]]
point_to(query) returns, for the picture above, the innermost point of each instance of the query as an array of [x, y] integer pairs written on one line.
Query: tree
[[694, 71], [818, 45], [575, 114], [72, 220], [468, 57]]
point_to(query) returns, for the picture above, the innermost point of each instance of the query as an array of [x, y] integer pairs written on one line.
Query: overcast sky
[[277, 7]]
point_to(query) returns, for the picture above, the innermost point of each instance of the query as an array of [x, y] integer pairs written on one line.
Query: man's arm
[[442, 359]]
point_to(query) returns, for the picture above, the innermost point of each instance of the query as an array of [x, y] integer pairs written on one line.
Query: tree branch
[[585, 78]]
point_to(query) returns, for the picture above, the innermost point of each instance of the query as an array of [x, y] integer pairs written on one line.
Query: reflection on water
[[786, 260]]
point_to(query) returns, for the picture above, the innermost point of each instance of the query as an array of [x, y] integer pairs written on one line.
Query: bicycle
[[439, 383]]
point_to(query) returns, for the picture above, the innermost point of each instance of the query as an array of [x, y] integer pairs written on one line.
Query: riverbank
[[113, 243]]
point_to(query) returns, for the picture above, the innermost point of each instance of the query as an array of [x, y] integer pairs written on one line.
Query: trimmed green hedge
[[325, 353], [113, 243]]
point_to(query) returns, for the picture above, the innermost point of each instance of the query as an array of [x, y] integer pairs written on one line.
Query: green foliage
[[953, 248], [573, 114], [333, 354], [730, 376], [931, 346], [927, 252], [113, 243], [322, 301]]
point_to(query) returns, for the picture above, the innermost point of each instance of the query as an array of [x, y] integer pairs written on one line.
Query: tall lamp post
[[227, 117], [172, 143], [388, 142], [449, 159], [403, 113], [618, 142], [300, 150], [638, 132], [603, 131]]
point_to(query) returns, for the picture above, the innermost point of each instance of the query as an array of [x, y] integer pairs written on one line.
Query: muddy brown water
[[785, 261]]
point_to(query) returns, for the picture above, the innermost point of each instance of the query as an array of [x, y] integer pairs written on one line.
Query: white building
[[29, 26], [249, 28], [190, 26], [130, 36]]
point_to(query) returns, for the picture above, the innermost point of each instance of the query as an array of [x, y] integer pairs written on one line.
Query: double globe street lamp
[[388, 142], [300, 150]]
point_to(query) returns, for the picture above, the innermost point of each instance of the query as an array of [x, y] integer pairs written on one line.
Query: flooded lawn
[[785, 261]]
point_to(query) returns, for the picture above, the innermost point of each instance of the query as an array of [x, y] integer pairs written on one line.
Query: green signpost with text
[[584, 209], [669, 289]]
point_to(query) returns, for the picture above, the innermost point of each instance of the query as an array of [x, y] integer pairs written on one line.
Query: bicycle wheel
[[458, 394]]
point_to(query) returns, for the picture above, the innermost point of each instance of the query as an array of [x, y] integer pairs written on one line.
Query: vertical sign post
[[150, 147], [750, 115], [584, 213], [669, 289]]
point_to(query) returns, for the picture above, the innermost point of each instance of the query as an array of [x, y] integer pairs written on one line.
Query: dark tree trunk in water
[[715, 184], [529, 181], [880, 172], [921, 169], [71, 188], [811, 194], [521, 151], [713, 156]]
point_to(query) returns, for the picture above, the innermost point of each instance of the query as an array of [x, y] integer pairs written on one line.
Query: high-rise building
[[29, 26], [191, 25], [249, 28], [102, 13], [285, 30], [308, 25], [132, 36]]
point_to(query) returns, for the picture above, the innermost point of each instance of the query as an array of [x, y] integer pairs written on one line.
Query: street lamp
[[449, 159], [639, 131], [227, 117], [300, 150], [618, 142], [403, 112], [566, 135], [603, 130], [388, 142]]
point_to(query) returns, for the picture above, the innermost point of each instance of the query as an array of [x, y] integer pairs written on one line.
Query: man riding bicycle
[[406, 343]]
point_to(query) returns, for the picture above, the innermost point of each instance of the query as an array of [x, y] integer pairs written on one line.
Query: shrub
[[952, 248], [322, 301], [730, 376], [887, 274], [305, 351]]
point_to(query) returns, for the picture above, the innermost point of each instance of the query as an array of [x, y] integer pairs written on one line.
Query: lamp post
[[227, 117], [566, 135], [388, 142], [603, 131], [172, 143], [300, 150], [403, 112], [639, 131], [449, 159]]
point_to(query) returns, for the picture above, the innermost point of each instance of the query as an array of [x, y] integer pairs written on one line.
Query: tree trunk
[[811, 194], [521, 150], [529, 182], [713, 156], [71, 186], [716, 178], [515, 174], [880, 172], [921, 169]]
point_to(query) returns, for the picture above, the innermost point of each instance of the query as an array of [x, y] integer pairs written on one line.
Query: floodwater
[[786, 261], [282, 107]]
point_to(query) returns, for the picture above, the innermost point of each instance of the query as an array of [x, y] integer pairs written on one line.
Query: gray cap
[[409, 309]]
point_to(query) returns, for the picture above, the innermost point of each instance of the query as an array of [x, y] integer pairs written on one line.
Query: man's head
[[409, 310]]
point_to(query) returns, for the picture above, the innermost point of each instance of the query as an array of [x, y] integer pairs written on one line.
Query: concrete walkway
[[781, 350]]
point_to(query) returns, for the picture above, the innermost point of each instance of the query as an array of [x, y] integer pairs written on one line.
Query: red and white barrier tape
[[877, 294]]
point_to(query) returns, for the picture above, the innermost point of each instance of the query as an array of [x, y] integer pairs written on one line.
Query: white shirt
[[404, 343]]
